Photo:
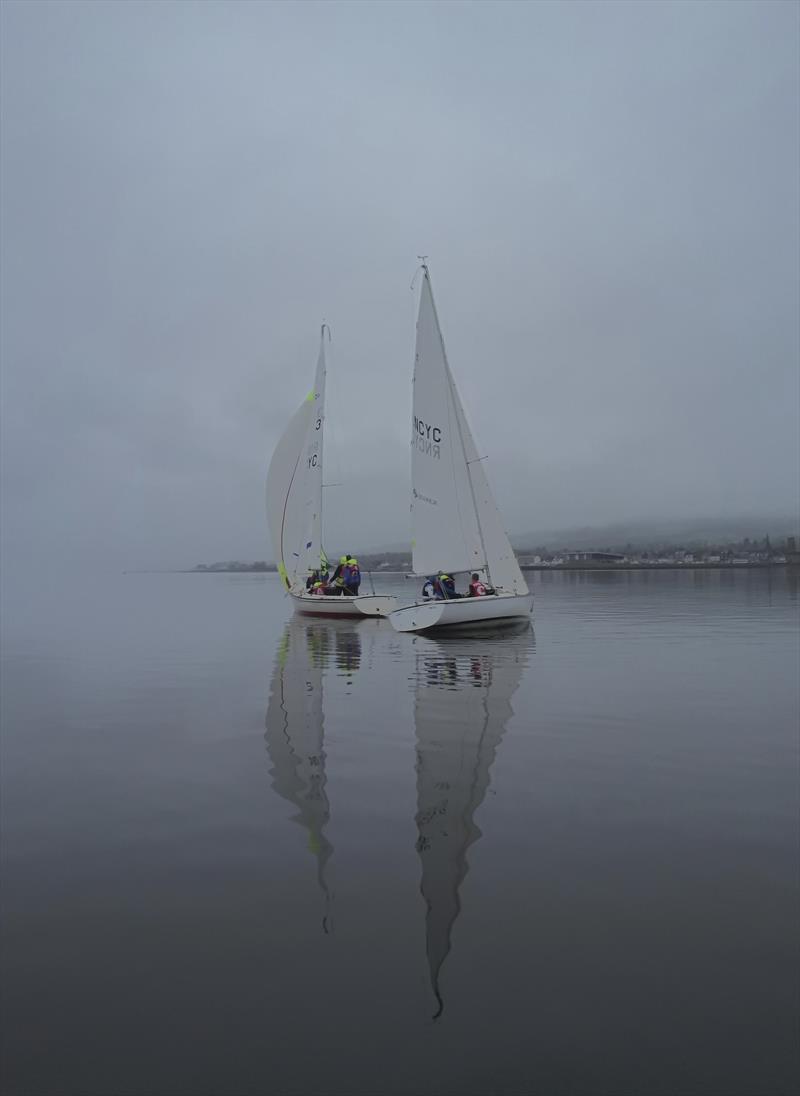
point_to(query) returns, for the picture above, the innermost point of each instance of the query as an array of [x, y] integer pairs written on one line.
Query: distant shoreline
[[582, 565], [587, 565]]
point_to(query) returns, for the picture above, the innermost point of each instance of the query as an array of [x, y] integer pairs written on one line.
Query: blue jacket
[[448, 587]]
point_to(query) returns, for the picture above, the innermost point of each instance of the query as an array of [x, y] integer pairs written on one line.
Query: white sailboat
[[456, 523], [294, 507]]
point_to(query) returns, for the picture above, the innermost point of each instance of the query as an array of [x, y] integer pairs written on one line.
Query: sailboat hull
[[371, 605], [472, 612]]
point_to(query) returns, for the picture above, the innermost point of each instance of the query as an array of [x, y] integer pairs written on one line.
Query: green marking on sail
[[284, 576], [309, 397]]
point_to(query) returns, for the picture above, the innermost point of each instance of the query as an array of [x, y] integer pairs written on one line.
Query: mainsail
[[294, 486], [456, 524], [462, 706]]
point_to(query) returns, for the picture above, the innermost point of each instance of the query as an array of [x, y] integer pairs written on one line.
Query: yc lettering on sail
[[427, 438]]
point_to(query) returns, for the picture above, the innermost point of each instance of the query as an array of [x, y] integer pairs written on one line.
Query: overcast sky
[[608, 194]]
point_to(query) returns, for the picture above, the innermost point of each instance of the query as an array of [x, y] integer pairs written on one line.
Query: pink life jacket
[[477, 588]]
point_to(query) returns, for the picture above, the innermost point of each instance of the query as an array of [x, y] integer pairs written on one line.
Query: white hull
[[372, 605], [470, 611]]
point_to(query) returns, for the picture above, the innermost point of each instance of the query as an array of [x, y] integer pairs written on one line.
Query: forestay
[[456, 524], [294, 486]]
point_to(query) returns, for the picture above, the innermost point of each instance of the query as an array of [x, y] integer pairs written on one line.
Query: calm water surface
[[246, 853]]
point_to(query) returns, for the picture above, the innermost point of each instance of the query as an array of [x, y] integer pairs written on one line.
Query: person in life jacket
[[345, 576], [445, 587], [476, 587], [337, 582], [352, 576], [429, 587], [313, 576], [318, 588]]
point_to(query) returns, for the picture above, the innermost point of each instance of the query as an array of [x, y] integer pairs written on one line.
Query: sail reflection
[[462, 705], [295, 726]]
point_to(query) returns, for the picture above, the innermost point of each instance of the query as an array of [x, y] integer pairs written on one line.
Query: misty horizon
[[608, 196], [638, 534]]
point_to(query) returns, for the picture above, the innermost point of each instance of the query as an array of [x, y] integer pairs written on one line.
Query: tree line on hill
[[744, 548]]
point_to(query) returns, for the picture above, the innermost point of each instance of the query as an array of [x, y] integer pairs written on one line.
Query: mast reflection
[[462, 705], [295, 726]]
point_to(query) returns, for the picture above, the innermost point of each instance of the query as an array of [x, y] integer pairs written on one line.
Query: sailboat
[[462, 705], [456, 523], [294, 507]]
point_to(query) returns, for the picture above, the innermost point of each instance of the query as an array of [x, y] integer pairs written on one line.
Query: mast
[[323, 555]]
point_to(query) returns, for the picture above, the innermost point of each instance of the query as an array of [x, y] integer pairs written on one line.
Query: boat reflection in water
[[295, 725], [463, 697], [463, 686]]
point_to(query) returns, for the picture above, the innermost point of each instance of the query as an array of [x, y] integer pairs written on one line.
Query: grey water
[[246, 853]]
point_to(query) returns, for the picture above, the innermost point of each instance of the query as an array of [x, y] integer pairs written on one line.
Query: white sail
[[456, 524], [445, 528], [294, 486], [501, 562]]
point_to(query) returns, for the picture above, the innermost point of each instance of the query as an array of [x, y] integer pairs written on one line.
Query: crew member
[[352, 576], [337, 582], [476, 587], [446, 588]]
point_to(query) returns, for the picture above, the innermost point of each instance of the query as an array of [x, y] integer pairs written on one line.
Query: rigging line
[[321, 414], [334, 447], [469, 474], [453, 459]]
